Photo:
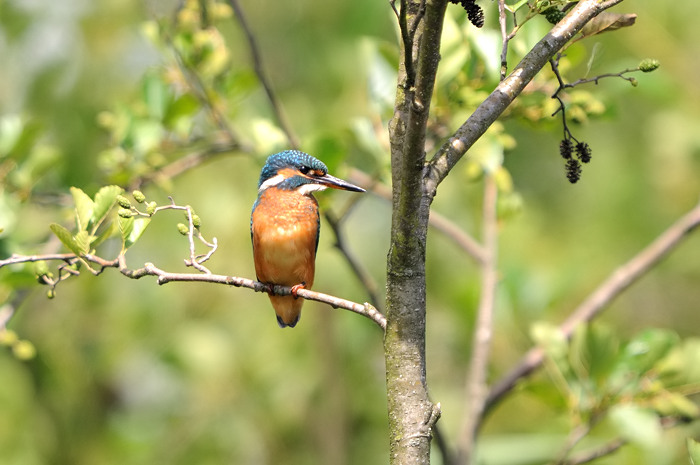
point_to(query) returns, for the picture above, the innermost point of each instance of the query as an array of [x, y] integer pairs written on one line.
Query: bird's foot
[[296, 288]]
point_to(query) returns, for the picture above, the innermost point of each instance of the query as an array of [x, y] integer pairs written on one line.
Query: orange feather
[[284, 228]]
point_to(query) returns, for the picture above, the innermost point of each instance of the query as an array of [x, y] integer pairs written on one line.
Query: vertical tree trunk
[[414, 183], [410, 409]]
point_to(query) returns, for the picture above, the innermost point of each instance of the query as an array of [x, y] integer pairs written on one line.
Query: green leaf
[[108, 232], [681, 365], [126, 226], [10, 132], [65, 237], [184, 106], [516, 6], [674, 404], [594, 351], [157, 96], [83, 207], [83, 239], [104, 199], [139, 226], [648, 347], [694, 451], [551, 338], [636, 424]]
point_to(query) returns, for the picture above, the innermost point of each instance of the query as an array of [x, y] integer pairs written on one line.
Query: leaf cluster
[[634, 386]]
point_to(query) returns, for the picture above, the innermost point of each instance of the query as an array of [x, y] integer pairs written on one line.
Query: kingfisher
[[285, 226]]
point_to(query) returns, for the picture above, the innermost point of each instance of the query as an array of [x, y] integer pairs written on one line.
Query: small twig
[[448, 457], [417, 19], [164, 277], [15, 259], [189, 161], [587, 457], [575, 437], [196, 261], [505, 38], [408, 34], [476, 388], [609, 4], [262, 77], [554, 63], [496, 103], [617, 282], [361, 273], [405, 38], [199, 90], [149, 269], [467, 243], [613, 446], [436, 220], [595, 79]]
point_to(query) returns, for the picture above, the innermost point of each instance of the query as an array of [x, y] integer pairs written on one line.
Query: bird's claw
[[296, 288]]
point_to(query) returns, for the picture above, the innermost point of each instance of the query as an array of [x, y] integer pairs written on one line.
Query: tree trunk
[[411, 413], [414, 184]]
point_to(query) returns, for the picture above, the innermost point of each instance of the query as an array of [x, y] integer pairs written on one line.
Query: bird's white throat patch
[[306, 189]]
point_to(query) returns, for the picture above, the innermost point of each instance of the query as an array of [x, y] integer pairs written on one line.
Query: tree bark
[[411, 412], [414, 184]]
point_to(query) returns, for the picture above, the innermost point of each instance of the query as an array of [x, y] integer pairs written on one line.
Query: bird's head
[[300, 172]]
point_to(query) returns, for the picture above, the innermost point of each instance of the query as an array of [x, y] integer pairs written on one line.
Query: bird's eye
[[304, 170]]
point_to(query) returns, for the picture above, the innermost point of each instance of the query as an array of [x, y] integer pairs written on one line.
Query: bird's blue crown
[[290, 159]]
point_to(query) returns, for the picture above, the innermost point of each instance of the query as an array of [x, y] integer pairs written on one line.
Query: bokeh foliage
[[126, 371]]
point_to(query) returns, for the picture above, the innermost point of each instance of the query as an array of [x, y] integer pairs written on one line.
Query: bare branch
[[476, 389], [618, 281], [365, 309], [436, 220], [587, 457], [610, 447], [189, 161], [609, 4], [199, 90], [504, 37], [260, 72], [149, 269], [491, 108], [15, 259], [362, 274]]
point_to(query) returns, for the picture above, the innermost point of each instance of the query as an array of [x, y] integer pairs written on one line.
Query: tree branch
[[587, 457], [409, 405], [188, 162], [617, 282], [362, 274], [491, 108], [441, 223], [164, 277], [262, 77], [476, 389]]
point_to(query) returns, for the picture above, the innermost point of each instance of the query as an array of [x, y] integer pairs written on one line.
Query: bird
[[285, 226]]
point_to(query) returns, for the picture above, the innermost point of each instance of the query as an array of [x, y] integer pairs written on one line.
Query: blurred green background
[[130, 372]]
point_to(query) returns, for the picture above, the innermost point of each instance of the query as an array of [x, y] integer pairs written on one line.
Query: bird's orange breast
[[285, 231], [284, 228]]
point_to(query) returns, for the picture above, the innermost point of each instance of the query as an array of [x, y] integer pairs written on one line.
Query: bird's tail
[[288, 309]]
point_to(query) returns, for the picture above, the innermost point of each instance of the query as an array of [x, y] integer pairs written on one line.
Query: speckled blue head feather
[[287, 159]]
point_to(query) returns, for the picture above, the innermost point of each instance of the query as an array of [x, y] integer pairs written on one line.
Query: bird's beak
[[337, 183]]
